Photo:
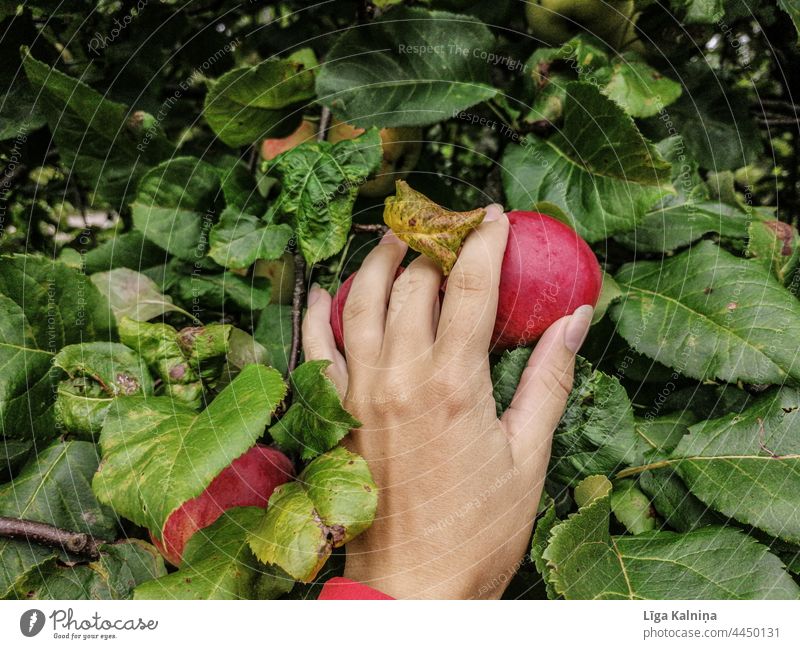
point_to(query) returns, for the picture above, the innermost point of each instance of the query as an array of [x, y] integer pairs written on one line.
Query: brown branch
[[324, 122], [44, 534], [298, 299], [369, 228]]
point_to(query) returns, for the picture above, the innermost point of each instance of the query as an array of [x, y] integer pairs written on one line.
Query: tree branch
[[369, 228], [324, 121], [298, 299], [54, 537]]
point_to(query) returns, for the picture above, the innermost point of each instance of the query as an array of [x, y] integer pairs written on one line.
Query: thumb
[[541, 395]]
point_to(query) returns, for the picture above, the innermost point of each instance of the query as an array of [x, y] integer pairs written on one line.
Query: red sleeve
[[341, 588]]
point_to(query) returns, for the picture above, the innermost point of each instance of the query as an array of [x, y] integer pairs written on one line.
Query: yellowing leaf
[[427, 227]]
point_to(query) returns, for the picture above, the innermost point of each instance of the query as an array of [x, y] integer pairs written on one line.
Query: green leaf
[[124, 250], [747, 465], [316, 421], [53, 488], [792, 7], [680, 509], [97, 373], [173, 205], [254, 102], [609, 292], [274, 331], [776, 246], [699, 12], [413, 67], [133, 295], [596, 434], [641, 90], [240, 238], [598, 170], [333, 500], [632, 508], [114, 575], [319, 184], [663, 433], [709, 314], [221, 292], [105, 143], [506, 375], [44, 305], [217, 563], [19, 112], [541, 533], [157, 454], [585, 562]]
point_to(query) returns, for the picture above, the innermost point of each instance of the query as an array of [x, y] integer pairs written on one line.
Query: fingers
[[470, 302], [413, 312], [543, 389], [364, 317], [318, 341]]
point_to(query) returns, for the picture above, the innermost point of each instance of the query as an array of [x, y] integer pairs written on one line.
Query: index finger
[[470, 302]]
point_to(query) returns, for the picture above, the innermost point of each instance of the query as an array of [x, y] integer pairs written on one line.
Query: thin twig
[[324, 121], [369, 228], [44, 534], [298, 299]]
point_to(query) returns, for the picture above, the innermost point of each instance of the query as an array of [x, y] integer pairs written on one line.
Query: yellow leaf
[[427, 227]]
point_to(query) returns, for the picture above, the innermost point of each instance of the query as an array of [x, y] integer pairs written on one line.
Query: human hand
[[459, 488]]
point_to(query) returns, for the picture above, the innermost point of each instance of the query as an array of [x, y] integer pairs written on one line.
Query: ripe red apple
[[271, 148], [247, 482], [548, 272]]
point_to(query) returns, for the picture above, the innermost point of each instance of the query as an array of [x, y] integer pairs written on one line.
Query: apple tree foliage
[[149, 257]]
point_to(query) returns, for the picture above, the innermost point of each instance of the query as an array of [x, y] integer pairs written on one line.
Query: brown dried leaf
[[427, 227]]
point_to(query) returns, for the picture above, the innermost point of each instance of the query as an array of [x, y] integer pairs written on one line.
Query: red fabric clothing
[[341, 588]]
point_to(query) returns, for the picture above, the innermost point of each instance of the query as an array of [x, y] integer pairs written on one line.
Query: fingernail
[[493, 212], [578, 327], [314, 293], [388, 238]]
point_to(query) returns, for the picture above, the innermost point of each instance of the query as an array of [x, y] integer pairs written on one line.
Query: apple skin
[[247, 482], [401, 150], [548, 271], [271, 149]]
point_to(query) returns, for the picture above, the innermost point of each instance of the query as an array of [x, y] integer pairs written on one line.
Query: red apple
[[271, 148], [247, 482], [548, 272]]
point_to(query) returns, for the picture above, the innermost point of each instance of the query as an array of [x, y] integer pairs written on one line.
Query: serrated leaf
[[173, 205], [333, 500], [641, 90], [316, 420], [792, 7], [747, 465], [108, 145], [158, 453], [133, 295], [506, 374], [44, 305], [274, 331], [113, 575], [680, 509], [373, 77], [124, 250], [53, 488], [776, 246], [319, 184], [217, 563], [585, 562], [709, 315], [239, 239], [598, 170], [632, 508], [97, 373], [254, 102], [427, 227], [541, 533], [596, 434]]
